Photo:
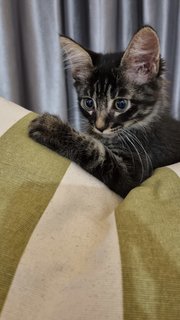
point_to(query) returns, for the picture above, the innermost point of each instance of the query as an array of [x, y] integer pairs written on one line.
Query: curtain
[[32, 73]]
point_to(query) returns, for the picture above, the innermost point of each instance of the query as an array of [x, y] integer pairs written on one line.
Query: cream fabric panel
[[71, 266], [176, 168]]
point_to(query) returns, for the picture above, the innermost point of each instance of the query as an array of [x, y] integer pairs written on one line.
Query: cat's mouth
[[108, 131]]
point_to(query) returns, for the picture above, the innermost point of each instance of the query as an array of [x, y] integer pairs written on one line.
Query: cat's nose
[[101, 124], [101, 129]]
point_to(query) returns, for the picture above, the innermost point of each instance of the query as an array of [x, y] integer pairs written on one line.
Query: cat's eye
[[121, 104], [88, 104]]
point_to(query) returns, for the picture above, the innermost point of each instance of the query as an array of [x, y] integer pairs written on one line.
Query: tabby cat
[[124, 98]]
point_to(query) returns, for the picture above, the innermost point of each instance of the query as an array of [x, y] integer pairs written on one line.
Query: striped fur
[[122, 146]]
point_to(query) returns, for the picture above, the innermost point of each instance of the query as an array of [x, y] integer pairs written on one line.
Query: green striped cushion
[[29, 176], [148, 230], [57, 232], [148, 223]]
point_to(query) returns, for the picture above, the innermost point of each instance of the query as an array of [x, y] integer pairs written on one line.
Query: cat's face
[[117, 91]]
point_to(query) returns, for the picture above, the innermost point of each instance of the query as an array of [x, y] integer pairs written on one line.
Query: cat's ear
[[76, 58], [142, 57]]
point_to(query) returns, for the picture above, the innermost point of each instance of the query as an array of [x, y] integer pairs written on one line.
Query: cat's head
[[118, 90]]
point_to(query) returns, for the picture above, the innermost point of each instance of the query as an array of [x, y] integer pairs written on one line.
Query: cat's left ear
[[142, 57], [76, 58]]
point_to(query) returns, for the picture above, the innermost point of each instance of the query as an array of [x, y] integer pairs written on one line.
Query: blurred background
[[32, 73]]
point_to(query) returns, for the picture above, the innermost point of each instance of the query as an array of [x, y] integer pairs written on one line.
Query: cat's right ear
[[76, 58]]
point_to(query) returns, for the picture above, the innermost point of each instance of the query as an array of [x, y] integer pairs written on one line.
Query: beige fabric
[[70, 268], [176, 168], [10, 113], [29, 177]]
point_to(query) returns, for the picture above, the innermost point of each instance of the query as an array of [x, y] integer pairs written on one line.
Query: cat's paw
[[45, 127]]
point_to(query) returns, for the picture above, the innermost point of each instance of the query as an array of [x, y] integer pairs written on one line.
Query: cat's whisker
[[148, 159], [129, 149], [138, 143], [144, 133], [137, 152]]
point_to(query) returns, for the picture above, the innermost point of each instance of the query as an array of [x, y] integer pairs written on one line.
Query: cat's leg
[[83, 149]]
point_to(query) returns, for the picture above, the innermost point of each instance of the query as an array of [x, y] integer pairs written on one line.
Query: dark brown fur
[[122, 146]]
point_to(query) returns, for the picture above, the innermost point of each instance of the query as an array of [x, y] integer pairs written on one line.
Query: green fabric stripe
[[29, 176], [148, 223]]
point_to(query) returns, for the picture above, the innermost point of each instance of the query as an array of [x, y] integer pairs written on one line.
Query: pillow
[[148, 223], [60, 237], [59, 249]]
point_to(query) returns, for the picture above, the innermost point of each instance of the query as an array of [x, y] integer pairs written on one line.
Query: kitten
[[123, 95]]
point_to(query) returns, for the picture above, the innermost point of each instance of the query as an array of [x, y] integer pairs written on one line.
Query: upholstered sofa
[[70, 249]]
